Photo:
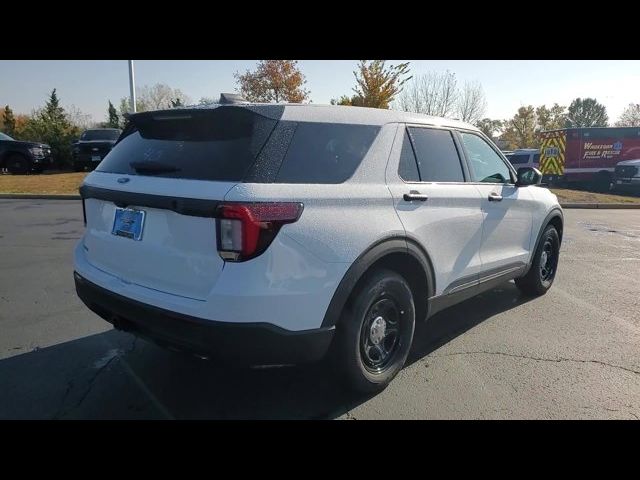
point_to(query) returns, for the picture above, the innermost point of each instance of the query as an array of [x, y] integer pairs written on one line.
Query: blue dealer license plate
[[128, 223]]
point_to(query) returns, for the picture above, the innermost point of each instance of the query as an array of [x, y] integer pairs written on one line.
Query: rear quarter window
[[325, 152]]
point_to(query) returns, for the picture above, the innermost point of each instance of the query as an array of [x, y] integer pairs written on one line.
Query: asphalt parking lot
[[574, 353]]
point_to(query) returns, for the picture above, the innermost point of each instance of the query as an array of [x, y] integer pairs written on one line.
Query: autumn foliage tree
[[552, 118], [273, 81], [489, 126], [520, 130], [378, 84]]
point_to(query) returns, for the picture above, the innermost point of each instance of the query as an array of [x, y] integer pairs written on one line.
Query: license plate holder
[[128, 223]]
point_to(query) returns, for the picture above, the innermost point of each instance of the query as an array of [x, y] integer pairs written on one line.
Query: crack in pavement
[[91, 382], [538, 359]]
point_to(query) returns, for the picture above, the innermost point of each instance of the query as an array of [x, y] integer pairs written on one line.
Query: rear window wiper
[[153, 167]]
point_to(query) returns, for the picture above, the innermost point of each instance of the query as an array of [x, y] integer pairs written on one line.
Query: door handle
[[495, 197], [415, 195]]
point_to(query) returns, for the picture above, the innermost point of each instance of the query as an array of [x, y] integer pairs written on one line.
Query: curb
[[28, 196], [602, 206]]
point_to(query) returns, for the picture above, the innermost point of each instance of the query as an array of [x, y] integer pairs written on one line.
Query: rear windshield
[[219, 144], [100, 135]]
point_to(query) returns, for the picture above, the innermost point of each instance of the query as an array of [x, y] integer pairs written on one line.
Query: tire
[[379, 317], [540, 276], [17, 165], [77, 167]]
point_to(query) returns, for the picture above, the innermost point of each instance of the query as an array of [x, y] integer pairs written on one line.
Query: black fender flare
[[556, 212], [370, 256]]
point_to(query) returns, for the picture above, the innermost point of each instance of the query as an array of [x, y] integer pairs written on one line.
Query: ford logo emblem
[[123, 180]]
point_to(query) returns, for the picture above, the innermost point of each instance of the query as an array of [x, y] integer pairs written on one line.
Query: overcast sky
[[89, 84]]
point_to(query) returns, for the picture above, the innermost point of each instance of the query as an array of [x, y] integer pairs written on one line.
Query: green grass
[[580, 196], [53, 183]]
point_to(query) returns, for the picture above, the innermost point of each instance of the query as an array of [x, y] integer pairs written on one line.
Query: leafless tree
[[157, 97], [79, 119], [431, 93], [630, 116], [471, 104]]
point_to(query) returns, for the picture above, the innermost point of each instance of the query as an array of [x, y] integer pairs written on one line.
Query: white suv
[[279, 234]]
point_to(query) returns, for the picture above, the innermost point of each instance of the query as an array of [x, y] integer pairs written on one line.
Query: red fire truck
[[587, 155]]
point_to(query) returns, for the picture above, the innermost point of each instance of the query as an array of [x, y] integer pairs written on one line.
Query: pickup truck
[[23, 157]]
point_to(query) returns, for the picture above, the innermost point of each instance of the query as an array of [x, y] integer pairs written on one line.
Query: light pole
[[132, 87]]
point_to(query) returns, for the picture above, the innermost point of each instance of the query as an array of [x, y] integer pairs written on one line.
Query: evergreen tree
[[114, 119], [9, 121]]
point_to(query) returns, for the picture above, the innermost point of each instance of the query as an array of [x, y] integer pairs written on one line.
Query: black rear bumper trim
[[194, 207], [245, 343]]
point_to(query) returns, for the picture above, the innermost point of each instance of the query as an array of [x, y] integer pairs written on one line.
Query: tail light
[[245, 230]]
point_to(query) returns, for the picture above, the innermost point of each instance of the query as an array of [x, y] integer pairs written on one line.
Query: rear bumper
[[246, 343]]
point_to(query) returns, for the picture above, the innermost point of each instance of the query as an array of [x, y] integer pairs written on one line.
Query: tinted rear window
[[209, 144], [438, 159], [325, 152]]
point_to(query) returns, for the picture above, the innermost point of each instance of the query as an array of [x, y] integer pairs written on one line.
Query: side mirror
[[528, 176]]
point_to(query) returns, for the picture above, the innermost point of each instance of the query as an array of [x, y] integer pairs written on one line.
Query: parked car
[[627, 176], [23, 157], [281, 234], [93, 146], [524, 157]]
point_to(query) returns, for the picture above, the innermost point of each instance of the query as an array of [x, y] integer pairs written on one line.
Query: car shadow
[[113, 375]]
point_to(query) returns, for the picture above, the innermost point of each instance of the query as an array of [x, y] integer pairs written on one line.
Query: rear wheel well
[[410, 269]]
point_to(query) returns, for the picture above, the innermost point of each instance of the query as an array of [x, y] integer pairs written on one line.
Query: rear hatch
[[163, 180]]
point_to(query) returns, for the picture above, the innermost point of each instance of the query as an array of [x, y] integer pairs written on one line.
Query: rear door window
[[325, 152], [438, 159]]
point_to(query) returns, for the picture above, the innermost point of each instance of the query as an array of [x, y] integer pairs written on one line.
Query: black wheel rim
[[548, 260], [380, 338]]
